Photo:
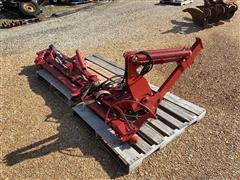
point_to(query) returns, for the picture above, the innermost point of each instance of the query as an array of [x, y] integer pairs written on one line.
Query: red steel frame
[[135, 94]]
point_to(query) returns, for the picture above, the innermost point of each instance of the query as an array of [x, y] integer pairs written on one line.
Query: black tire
[[29, 9]]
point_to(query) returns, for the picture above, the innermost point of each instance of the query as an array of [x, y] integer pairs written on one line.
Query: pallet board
[[176, 2], [174, 116]]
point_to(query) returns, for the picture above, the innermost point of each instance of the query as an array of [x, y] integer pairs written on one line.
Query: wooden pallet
[[174, 116], [176, 2]]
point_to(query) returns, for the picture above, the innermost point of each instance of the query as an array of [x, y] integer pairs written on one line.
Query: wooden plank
[[103, 64], [100, 71], [151, 134], [108, 60], [124, 150], [181, 102], [184, 104], [167, 140], [187, 116], [162, 127], [55, 83], [143, 145], [174, 123]]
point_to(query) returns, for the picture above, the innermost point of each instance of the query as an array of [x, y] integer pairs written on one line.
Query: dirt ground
[[40, 138]]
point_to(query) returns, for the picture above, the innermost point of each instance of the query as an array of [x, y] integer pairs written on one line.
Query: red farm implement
[[124, 109]]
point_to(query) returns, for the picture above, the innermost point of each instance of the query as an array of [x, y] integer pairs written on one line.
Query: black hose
[[147, 67]]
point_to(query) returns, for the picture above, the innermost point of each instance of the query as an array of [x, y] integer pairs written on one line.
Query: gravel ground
[[41, 139]]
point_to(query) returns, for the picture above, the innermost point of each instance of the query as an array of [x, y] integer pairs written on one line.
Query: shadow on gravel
[[71, 133], [8, 15], [183, 27]]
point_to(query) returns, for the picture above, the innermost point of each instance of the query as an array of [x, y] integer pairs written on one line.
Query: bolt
[[134, 58]]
